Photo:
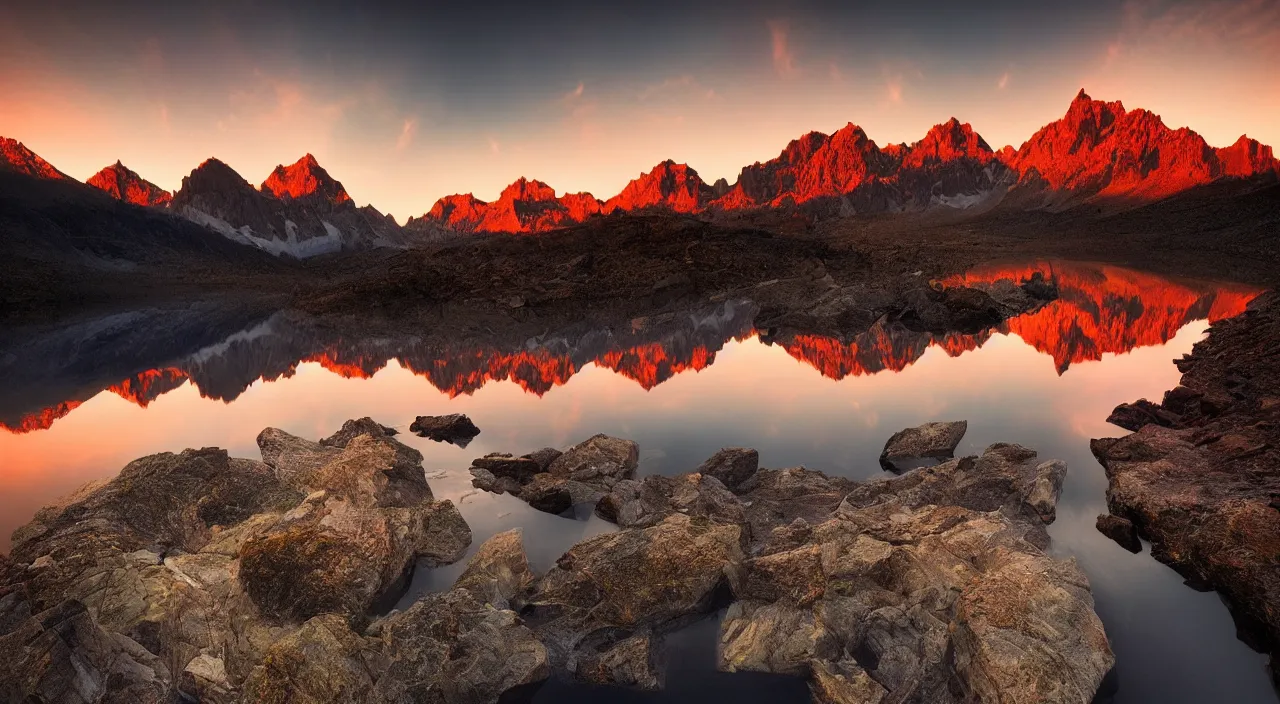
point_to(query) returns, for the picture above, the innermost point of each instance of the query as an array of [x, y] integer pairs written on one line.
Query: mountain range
[[1099, 152]]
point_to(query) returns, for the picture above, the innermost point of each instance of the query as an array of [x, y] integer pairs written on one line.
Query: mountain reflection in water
[[1100, 309]]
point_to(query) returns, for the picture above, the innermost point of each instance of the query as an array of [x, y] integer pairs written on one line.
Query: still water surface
[[700, 382]]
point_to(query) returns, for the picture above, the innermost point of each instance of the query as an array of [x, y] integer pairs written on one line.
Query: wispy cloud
[[784, 61], [893, 89], [407, 132], [576, 92], [494, 146], [1004, 81]]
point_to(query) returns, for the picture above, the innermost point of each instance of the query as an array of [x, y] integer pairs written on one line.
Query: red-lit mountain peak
[[305, 178], [1100, 149], [668, 185], [460, 212], [14, 156], [125, 184], [1246, 158], [527, 190], [949, 141]]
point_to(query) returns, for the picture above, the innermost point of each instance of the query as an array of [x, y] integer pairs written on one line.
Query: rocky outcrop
[[124, 184], [63, 655], [553, 481], [635, 503], [636, 582], [933, 586], [220, 569], [455, 428], [1200, 477], [1120, 530], [931, 441]]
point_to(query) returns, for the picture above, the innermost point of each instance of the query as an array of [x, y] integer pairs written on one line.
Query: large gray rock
[[103, 546], [293, 458], [365, 467], [912, 447], [932, 586]]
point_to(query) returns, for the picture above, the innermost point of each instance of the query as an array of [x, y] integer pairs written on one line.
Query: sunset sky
[[405, 104]]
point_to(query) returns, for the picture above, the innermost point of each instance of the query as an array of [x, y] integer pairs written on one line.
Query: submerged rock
[[455, 428], [909, 448], [1201, 480]]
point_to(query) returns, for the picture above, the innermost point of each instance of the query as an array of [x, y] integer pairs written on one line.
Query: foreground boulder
[[933, 586], [63, 655], [638, 582], [455, 428], [1200, 477], [211, 565], [467, 644], [913, 447]]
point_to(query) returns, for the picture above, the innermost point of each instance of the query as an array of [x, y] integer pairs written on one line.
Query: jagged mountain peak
[[305, 178], [669, 185], [526, 189], [123, 183]]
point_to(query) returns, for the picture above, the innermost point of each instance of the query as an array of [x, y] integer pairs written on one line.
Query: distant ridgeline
[[1097, 153]]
